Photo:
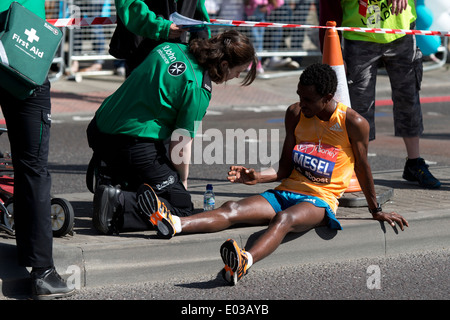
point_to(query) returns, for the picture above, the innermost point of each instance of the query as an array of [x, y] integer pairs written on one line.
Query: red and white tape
[[83, 22], [238, 23]]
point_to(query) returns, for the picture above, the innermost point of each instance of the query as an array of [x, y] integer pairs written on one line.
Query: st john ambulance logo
[[177, 68]]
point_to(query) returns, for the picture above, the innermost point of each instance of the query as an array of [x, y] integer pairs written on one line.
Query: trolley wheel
[[62, 216], [7, 218]]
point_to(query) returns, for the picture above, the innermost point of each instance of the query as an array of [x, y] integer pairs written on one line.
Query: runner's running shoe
[[417, 170], [236, 261], [157, 212]]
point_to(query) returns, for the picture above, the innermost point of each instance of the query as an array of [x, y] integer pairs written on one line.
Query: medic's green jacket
[[167, 91], [36, 6], [139, 19]]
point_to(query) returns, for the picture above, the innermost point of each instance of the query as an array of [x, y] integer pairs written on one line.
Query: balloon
[[441, 23], [427, 44], [441, 12], [424, 18]]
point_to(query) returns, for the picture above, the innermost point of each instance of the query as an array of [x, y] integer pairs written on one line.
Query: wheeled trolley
[[62, 213]]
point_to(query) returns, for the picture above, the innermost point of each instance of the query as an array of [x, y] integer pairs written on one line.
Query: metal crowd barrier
[[81, 44], [439, 59], [281, 49], [53, 9], [91, 43]]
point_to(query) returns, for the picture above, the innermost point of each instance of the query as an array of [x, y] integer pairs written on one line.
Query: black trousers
[[131, 162], [28, 122]]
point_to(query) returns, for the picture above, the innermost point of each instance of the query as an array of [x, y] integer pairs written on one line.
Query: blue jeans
[[258, 33]]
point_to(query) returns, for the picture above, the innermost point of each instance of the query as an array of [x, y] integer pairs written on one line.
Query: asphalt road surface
[[417, 276], [70, 154]]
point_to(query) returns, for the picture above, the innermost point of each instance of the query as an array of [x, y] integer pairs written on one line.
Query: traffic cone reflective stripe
[[332, 55]]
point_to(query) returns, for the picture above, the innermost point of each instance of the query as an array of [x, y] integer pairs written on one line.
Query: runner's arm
[[358, 133], [251, 176]]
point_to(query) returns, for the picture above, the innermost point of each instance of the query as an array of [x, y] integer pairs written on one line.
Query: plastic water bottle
[[209, 200]]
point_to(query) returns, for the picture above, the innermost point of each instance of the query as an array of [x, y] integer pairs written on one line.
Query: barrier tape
[[83, 22], [355, 29]]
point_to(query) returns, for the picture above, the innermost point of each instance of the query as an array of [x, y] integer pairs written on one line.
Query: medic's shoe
[[156, 211], [48, 285], [236, 261], [108, 209]]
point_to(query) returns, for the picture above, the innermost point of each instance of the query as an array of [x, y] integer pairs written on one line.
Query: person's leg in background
[[403, 62], [28, 123]]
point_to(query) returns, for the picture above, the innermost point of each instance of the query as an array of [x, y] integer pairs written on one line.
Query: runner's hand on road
[[391, 218]]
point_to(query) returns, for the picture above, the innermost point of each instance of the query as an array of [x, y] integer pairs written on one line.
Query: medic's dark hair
[[231, 46]]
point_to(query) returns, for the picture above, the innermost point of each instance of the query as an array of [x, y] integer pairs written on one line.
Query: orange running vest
[[323, 158]]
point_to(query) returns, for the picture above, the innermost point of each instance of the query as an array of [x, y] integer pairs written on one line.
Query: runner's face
[[311, 102]]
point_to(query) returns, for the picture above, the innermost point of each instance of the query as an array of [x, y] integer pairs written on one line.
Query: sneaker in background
[[282, 63], [417, 170]]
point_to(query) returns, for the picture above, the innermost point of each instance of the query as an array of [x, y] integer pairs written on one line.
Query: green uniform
[[377, 15], [168, 91], [28, 123], [36, 6], [139, 19]]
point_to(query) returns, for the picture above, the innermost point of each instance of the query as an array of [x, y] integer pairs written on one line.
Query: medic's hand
[[175, 31]]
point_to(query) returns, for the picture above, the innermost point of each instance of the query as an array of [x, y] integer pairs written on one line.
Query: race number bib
[[314, 161]]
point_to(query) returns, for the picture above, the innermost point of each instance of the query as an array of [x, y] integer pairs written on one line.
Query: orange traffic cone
[[332, 55], [354, 185]]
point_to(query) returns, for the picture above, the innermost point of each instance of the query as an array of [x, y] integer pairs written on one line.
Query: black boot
[[108, 209], [48, 284]]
